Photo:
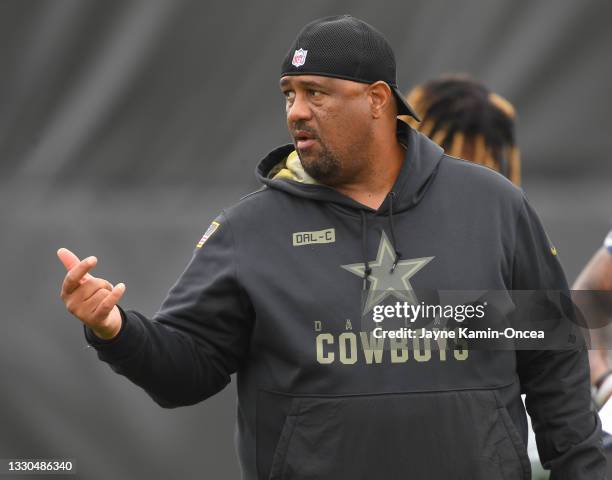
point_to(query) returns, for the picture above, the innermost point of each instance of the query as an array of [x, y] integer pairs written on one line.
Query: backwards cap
[[347, 48]]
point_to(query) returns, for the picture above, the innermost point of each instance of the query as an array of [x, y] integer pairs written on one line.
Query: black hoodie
[[276, 289]]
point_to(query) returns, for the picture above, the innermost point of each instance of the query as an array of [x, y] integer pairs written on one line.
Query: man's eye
[[289, 95], [315, 93]]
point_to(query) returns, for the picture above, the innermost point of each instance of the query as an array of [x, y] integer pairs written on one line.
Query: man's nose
[[298, 110]]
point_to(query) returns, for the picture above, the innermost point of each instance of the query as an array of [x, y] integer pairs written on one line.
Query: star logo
[[384, 283]]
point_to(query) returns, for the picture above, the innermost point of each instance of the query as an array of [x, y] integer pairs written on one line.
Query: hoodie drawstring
[[367, 271], [364, 249], [398, 254]]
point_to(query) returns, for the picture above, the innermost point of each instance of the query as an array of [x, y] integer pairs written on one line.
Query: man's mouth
[[304, 139]]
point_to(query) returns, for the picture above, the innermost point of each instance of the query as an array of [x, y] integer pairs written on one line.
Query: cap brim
[[403, 107]]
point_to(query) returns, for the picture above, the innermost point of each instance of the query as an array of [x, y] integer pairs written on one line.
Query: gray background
[[126, 125]]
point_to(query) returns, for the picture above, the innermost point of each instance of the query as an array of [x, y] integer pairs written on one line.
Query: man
[[597, 277], [358, 213], [468, 121]]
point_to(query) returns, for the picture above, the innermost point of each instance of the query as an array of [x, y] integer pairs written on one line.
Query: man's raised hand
[[92, 300]]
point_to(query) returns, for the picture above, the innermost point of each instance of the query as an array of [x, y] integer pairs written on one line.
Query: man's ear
[[380, 97]]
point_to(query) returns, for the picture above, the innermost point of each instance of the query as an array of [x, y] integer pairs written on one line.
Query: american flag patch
[[207, 234]]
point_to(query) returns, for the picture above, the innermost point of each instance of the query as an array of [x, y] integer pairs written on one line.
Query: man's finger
[[110, 301], [74, 276], [89, 306], [70, 260], [89, 288]]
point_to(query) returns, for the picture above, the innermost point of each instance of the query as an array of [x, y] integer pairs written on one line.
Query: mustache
[[302, 127]]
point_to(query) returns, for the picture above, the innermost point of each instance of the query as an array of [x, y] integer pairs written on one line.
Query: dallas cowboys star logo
[[383, 282]]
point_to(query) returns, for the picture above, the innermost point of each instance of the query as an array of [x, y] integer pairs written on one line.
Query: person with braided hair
[[469, 121]]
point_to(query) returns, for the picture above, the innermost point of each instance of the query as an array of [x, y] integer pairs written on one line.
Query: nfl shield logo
[[299, 57]]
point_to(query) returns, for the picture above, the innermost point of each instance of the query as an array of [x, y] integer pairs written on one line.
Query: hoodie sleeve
[[556, 382], [198, 338]]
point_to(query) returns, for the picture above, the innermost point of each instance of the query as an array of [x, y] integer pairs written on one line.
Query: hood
[[282, 170]]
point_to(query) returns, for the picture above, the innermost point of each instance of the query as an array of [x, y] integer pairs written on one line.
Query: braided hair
[[468, 121]]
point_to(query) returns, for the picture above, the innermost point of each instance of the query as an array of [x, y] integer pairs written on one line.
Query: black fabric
[[364, 249], [398, 254], [331, 438]]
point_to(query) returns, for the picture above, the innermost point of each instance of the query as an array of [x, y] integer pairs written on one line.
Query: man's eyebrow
[[302, 83]]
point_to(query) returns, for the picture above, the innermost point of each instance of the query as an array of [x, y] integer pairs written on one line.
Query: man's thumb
[[68, 258]]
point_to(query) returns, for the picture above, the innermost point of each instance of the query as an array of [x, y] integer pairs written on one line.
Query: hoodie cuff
[[121, 345]]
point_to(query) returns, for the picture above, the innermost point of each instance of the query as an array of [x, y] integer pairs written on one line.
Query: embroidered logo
[[212, 229], [299, 57], [320, 236], [383, 283], [553, 249]]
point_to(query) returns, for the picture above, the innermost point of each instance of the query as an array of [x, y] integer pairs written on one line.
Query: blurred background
[[125, 126]]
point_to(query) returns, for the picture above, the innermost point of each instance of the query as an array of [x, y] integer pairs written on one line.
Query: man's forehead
[[312, 80]]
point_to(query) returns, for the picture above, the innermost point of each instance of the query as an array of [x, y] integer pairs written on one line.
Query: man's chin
[[321, 175], [307, 156]]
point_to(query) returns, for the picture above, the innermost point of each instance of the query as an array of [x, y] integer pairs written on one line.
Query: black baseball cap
[[345, 47]]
